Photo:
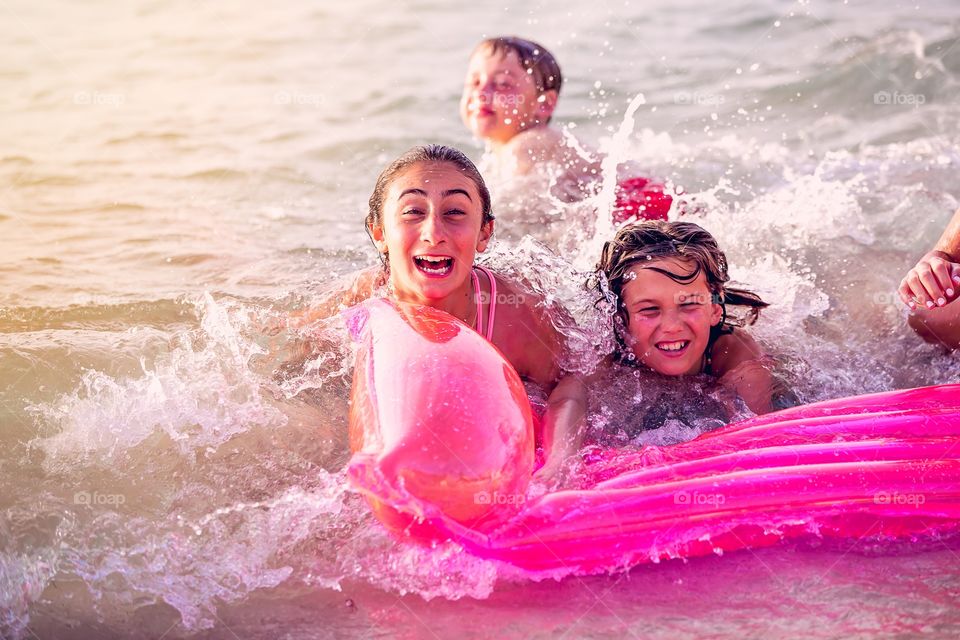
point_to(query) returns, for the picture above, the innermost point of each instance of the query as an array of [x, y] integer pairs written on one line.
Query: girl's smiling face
[[432, 228], [669, 322]]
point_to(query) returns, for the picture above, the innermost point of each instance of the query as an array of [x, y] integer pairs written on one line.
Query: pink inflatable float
[[443, 441]]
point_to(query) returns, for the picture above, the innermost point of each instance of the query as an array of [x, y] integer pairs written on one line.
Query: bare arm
[[752, 381], [949, 241], [935, 278], [742, 367], [357, 288], [540, 348], [564, 423]]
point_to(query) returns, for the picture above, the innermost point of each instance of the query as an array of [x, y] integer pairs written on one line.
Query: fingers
[[932, 283], [913, 290], [907, 294]]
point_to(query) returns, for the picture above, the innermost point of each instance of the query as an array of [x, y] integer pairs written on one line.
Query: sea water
[[178, 177]]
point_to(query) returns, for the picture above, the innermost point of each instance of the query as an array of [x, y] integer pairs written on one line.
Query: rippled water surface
[[175, 176]]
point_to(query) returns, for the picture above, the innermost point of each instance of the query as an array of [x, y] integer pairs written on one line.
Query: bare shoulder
[[534, 146], [732, 349], [579, 165], [537, 139], [524, 332]]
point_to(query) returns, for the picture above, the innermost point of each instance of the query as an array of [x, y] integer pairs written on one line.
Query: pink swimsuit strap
[[492, 308], [477, 297]]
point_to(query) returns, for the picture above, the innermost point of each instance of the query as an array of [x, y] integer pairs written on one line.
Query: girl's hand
[[933, 282]]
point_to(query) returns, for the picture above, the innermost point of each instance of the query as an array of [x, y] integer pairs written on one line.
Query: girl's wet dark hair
[[643, 242]]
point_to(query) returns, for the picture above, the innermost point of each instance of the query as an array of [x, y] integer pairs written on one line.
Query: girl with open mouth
[[429, 217]]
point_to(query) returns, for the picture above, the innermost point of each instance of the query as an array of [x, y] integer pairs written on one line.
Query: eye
[[456, 212], [411, 212], [647, 311]]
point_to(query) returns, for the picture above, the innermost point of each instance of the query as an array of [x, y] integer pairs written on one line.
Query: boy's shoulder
[[546, 146], [537, 139], [533, 146]]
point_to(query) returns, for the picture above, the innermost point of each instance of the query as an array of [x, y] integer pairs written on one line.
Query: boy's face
[[669, 323], [500, 99]]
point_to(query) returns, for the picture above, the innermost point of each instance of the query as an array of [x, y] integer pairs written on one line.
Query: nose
[[432, 230], [482, 92], [670, 321]]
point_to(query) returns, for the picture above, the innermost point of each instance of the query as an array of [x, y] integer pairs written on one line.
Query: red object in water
[[640, 199], [444, 450]]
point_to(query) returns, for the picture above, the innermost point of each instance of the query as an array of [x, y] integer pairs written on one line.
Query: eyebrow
[[450, 192]]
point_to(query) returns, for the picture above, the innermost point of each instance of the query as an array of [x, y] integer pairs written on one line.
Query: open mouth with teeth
[[434, 266], [675, 348]]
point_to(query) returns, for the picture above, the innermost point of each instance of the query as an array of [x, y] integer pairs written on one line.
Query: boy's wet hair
[[534, 58], [416, 155], [643, 242]]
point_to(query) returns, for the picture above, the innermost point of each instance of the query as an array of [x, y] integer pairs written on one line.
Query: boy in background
[[509, 97]]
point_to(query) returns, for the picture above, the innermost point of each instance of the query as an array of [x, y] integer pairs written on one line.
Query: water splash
[[200, 394], [615, 153]]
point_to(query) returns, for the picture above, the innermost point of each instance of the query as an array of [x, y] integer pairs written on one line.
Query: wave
[[91, 309], [217, 174], [19, 161], [147, 136]]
